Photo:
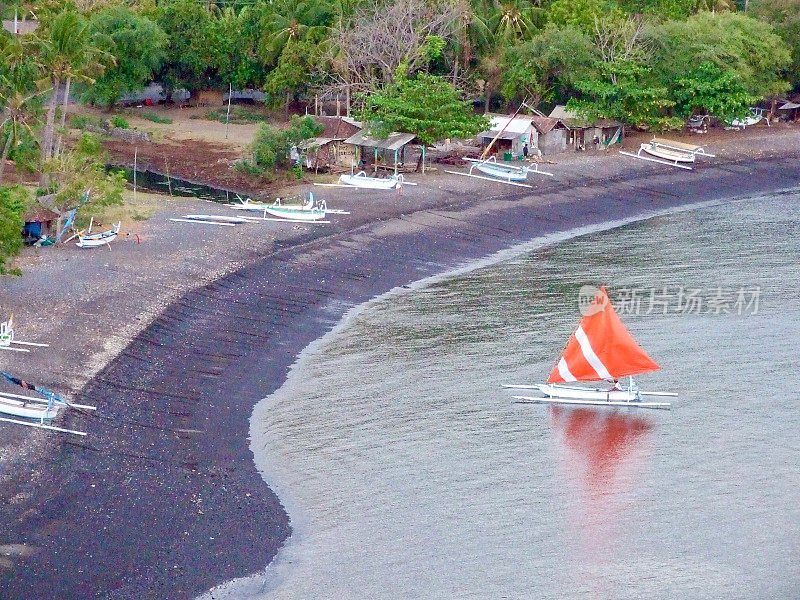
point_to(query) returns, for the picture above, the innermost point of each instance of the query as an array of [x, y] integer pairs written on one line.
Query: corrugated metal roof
[[789, 106], [39, 215], [572, 120], [511, 125], [394, 141], [317, 142]]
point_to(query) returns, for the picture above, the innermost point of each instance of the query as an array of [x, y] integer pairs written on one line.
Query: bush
[[248, 168], [120, 122], [156, 118], [12, 205], [272, 147]]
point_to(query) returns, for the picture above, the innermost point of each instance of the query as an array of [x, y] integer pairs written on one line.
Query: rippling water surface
[[409, 473]]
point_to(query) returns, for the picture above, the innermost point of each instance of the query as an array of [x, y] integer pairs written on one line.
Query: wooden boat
[[7, 340], [211, 220], [755, 116], [601, 349], [361, 180], [311, 210], [249, 205], [669, 152], [33, 411], [501, 171], [101, 238]]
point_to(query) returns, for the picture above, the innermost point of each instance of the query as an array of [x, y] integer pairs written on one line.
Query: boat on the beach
[[211, 220], [755, 116], [361, 180], [310, 210], [670, 152], [601, 349], [101, 238], [500, 170], [249, 204], [34, 411], [7, 340]]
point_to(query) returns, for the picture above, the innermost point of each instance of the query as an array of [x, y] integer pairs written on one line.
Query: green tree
[[272, 146], [547, 67], [18, 94], [69, 51], [784, 16], [12, 206], [624, 91], [189, 61], [732, 41], [79, 169], [138, 46], [426, 105], [709, 89]]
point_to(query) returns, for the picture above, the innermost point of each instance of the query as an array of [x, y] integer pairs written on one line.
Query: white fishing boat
[[755, 116], [361, 180], [101, 238], [7, 340], [310, 210], [670, 152], [250, 205], [501, 171], [34, 411], [212, 220], [601, 349]]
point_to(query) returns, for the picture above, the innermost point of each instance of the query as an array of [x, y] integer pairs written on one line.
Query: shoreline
[[201, 366]]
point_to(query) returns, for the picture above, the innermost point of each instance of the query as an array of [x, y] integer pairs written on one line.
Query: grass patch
[[156, 118], [238, 115], [120, 122]]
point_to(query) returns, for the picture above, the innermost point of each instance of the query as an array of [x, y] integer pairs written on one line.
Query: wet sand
[[163, 499]]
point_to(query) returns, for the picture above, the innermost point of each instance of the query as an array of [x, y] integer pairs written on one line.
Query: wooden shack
[[512, 133], [39, 223], [584, 134], [387, 153], [552, 135], [329, 150]]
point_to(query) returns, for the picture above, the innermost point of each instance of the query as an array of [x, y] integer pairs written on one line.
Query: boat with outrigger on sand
[[34, 411], [600, 349], [306, 211], [9, 342], [670, 152]]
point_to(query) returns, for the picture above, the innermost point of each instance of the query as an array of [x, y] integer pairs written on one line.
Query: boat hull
[[668, 154], [27, 410], [502, 172], [295, 214], [605, 403], [584, 393], [373, 183]]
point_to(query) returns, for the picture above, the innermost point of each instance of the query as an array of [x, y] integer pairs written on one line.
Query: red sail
[[601, 348]]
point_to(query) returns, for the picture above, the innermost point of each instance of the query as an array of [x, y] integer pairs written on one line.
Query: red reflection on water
[[601, 453]]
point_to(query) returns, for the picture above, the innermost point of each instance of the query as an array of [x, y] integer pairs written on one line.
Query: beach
[[178, 333]]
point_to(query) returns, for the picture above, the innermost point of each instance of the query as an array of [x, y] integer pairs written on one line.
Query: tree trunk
[[488, 94], [288, 102], [57, 151], [347, 100], [6, 150], [47, 134]]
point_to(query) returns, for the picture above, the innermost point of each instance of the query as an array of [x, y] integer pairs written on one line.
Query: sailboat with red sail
[[601, 349]]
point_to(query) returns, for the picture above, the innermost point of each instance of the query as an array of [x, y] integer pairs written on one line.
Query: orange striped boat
[[601, 349]]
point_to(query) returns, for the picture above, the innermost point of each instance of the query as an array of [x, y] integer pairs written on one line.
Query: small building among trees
[[512, 133], [39, 222], [329, 150], [583, 134], [389, 153]]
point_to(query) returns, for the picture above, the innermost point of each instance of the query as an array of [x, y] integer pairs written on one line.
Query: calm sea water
[[409, 473]]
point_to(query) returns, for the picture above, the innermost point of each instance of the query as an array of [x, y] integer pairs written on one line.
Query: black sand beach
[[163, 500]]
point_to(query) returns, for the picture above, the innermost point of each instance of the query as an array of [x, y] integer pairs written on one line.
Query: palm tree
[[69, 51], [17, 90]]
